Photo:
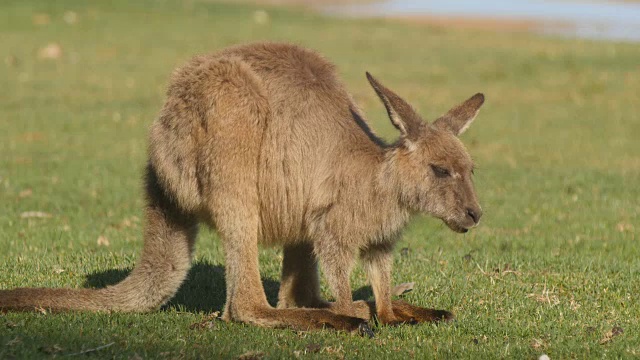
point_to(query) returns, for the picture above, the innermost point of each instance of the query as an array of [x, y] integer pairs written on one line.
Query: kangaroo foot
[[305, 319], [360, 309], [411, 314], [405, 313]]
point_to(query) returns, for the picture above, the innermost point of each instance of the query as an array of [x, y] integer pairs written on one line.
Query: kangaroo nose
[[474, 214]]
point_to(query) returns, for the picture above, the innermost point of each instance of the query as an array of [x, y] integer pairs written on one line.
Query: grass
[[552, 269]]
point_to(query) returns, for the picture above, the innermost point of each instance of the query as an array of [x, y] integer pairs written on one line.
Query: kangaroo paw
[[365, 330]]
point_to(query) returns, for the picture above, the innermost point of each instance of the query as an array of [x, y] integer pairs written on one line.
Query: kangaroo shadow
[[202, 291], [204, 288]]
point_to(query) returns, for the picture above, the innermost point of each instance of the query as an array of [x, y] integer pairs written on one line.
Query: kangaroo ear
[[402, 115], [458, 119]]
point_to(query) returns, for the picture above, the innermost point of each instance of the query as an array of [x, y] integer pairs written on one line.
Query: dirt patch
[[459, 22], [490, 24], [472, 23], [305, 3]]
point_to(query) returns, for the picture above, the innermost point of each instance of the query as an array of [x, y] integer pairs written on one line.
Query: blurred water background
[[606, 20]]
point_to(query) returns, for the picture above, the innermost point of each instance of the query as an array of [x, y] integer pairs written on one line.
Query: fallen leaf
[[336, 351], [11, 61], [204, 325], [14, 341], [260, 17], [41, 310], [617, 330], [35, 214], [32, 136], [537, 344], [50, 349], [573, 304], [10, 324], [546, 296], [624, 227], [70, 17], [126, 222], [25, 193], [50, 52], [404, 252], [251, 355], [402, 288], [207, 323], [103, 241], [312, 348], [41, 19]]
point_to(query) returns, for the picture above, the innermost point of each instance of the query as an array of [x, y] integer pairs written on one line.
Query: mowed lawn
[[553, 268]]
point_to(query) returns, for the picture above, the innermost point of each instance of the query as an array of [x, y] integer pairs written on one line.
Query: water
[[587, 19]]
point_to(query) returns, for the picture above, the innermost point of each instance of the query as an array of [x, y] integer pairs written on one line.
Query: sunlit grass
[[553, 267]]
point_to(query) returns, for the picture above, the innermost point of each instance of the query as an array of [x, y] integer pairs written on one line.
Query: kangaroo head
[[429, 165]]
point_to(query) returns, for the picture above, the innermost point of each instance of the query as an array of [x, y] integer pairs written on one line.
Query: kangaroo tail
[[169, 238]]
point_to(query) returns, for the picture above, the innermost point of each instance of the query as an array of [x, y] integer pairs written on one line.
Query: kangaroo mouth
[[456, 227]]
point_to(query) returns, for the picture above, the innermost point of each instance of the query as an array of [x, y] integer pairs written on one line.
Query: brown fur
[[263, 143]]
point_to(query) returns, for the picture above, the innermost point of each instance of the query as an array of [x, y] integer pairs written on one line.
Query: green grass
[[554, 266]]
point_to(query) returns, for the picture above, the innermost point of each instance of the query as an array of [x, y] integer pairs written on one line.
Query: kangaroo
[[263, 143]]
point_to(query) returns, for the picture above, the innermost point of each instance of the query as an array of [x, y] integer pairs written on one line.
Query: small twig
[[481, 270], [92, 350]]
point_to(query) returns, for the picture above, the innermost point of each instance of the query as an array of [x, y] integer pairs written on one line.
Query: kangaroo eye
[[440, 172]]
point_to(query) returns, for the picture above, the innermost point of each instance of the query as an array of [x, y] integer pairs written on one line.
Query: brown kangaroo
[[263, 143]]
